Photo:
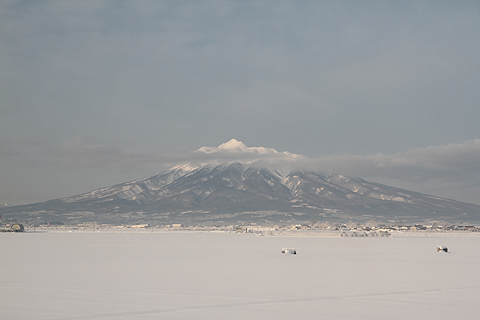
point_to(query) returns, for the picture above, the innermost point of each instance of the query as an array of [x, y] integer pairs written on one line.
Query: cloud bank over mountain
[[447, 170]]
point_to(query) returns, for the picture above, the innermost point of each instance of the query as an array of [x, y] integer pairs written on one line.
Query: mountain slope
[[241, 192]]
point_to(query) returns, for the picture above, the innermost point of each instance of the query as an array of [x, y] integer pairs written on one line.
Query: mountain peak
[[233, 145], [237, 147]]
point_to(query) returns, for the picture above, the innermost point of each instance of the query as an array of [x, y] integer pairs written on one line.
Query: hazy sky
[[94, 93]]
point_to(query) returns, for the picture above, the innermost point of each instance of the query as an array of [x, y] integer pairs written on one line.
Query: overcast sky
[[94, 93]]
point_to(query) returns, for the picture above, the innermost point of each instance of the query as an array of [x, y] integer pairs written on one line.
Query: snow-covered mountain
[[236, 192]]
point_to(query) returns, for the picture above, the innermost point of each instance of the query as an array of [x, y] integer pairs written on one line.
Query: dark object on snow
[[16, 227], [442, 249], [289, 250]]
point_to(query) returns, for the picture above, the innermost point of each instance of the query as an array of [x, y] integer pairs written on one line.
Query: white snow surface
[[187, 275]]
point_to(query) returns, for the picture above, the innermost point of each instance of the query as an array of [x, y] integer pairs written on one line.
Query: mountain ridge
[[237, 193]]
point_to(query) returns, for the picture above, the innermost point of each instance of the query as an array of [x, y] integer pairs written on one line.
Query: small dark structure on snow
[[16, 227], [289, 250], [442, 249]]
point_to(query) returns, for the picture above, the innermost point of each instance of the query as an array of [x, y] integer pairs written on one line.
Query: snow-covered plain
[[183, 275]]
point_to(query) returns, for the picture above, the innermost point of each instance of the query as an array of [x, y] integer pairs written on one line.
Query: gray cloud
[[420, 163]]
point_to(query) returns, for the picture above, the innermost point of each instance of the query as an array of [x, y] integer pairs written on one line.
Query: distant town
[[345, 229]]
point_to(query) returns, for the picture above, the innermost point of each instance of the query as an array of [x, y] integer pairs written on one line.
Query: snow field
[[236, 276]]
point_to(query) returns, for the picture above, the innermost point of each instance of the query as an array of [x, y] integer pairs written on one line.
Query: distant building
[[144, 225], [16, 227]]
